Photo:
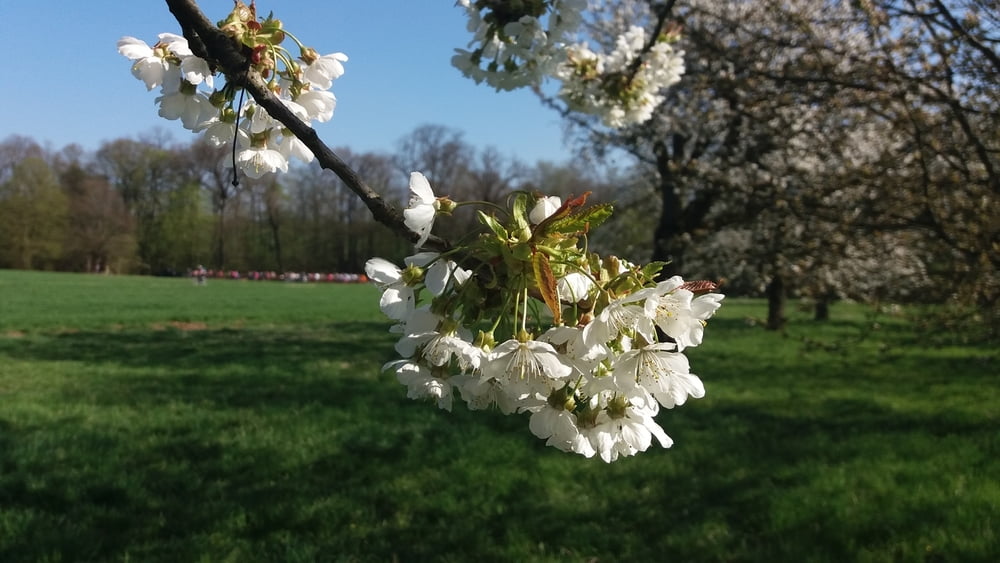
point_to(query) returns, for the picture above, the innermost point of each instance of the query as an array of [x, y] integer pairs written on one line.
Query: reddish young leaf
[[701, 286], [546, 282]]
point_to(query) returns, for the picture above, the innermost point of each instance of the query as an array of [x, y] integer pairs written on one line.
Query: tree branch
[[223, 53], [958, 29]]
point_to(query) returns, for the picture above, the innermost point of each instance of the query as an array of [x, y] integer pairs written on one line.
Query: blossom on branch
[[423, 208], [189, 91], [151, 63], [624, 86], [516, 45], [320, 72], [590, 347]]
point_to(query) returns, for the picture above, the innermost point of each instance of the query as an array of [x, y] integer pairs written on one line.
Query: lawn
[[149, 419]]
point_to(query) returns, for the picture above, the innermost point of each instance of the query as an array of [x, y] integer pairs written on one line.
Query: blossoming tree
[[813, 129], [520, 316]]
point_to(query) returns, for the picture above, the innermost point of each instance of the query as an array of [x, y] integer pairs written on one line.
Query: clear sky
[[64, 81]]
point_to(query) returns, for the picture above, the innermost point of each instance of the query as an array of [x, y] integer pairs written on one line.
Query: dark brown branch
[[223, 53]]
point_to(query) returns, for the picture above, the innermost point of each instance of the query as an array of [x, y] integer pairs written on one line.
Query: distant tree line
[[150, 205]]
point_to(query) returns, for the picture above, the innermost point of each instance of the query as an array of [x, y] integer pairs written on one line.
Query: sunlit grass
[[149, 419]]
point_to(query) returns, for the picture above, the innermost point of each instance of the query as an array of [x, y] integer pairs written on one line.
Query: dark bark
[[822, 312], [676, 219], [220, 236], [775, 303], [272, 222], [666, 238]]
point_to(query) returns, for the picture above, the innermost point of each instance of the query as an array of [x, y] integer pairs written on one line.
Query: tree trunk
[[220, 237], [277, 247], [666, 247], [775, 303], [272, 210], [822, 309]]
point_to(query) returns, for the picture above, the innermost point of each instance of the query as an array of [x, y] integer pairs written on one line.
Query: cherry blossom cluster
[[516, 44], [624, 86], [526, 320], [188, 91]]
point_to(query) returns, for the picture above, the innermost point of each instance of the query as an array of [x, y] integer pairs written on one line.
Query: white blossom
[[150, 65], [291, 146], [575, 286], [397, 301], [526, 368], [678, 314], [555, 425], [190, 106], [419, 214], [663, 372], [544, 207], [259, 155], [323, 71], [421, 383], [319, 104]]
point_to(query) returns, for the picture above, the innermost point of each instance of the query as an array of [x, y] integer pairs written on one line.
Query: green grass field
[[146, 419]]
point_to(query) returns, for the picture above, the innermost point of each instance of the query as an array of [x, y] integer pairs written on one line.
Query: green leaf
[[581, 221], [649, 271], [493, 225], [521, 251]]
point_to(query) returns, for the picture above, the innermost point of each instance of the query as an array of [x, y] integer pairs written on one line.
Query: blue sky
[[64, 81]]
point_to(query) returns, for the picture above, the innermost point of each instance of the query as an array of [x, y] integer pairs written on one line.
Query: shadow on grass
[[235, 367], [284, 445], [200, 348]]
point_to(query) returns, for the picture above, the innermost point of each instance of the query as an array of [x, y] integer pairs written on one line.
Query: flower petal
[[382, 271], [133, 48], [421, 188]]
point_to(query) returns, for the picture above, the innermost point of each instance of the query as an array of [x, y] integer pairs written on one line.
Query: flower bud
[[444, 206], [544, 207], [413, 275], [218, 99], [308, 55]]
